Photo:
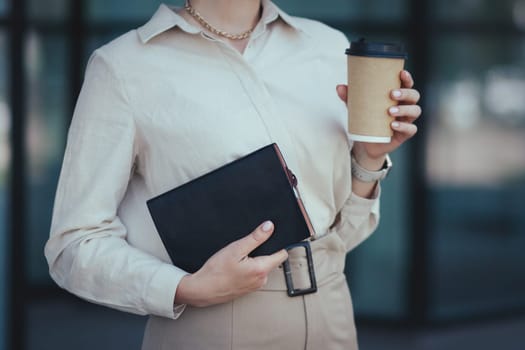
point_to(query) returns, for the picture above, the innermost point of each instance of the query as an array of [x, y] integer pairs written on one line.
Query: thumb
[[246, 245], [342, 92], [270, 262]]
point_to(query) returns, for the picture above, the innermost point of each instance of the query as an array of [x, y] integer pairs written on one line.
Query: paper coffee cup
[[373, 72]]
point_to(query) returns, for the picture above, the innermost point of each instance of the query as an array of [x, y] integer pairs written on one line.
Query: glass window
[[3, 7], [106, 10], [479, 112], [346, 10], [96, 41], [48, 9], [476, 169], [5, 118], [46, 70], [461, 10]]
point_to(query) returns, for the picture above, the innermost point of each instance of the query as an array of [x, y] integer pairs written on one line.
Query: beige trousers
[[269, 318]]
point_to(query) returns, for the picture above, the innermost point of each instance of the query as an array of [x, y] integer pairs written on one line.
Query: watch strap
[[365, 175]]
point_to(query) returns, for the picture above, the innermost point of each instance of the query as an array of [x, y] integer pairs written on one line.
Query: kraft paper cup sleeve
[[370, 81]]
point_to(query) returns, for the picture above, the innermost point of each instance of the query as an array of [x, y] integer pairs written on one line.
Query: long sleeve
[[87, 251], [358, 217]]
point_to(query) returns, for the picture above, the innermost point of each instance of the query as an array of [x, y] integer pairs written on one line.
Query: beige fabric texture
[[166, 103], [269, 319]]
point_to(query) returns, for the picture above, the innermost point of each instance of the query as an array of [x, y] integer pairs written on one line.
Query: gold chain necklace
[[212, 29]]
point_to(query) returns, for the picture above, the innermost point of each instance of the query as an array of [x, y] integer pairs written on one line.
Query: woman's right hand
[[230, 272]]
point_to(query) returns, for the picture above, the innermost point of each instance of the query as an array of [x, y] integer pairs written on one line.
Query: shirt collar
[[271, 13], [166, 18]]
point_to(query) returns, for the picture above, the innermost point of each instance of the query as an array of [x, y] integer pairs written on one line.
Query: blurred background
[[446, 269]]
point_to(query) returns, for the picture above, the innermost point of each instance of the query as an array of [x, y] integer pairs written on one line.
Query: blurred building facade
[[450, 245]]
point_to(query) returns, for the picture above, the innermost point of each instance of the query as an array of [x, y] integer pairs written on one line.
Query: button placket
[[264, 105]]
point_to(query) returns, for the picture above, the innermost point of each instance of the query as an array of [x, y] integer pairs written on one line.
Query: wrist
[[190, 292], [366, 161]]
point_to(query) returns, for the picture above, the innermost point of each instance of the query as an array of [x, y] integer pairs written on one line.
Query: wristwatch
[[365, 175]]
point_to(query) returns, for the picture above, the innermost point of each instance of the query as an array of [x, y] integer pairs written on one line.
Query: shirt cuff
[[364, 205], [161, 291], [358, 207]]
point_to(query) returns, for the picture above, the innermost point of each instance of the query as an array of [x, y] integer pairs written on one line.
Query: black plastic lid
[[375, 49]]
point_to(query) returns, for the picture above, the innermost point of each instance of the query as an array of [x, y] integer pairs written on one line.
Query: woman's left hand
[[405, 113]]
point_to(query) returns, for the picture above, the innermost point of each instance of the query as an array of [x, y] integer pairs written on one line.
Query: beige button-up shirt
[[166, 103]]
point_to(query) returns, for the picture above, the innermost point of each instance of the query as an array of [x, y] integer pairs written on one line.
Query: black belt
[[293, 292]]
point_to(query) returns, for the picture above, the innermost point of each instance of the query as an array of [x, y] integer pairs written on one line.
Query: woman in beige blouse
[[178, 97]]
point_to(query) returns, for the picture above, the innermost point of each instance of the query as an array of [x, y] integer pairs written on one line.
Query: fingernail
[[267, 226], [396, 93], [395, 125], [407, 73], [393, 110]]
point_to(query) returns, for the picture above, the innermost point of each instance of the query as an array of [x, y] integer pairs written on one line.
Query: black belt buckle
[[293, 292]]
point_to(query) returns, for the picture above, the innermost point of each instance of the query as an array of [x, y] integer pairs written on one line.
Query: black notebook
[[199, 218]]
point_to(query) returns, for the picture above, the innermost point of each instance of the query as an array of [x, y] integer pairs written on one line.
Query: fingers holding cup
[[405, 96], [403, 131], [405, 113], [342, 92], [406, 79]]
